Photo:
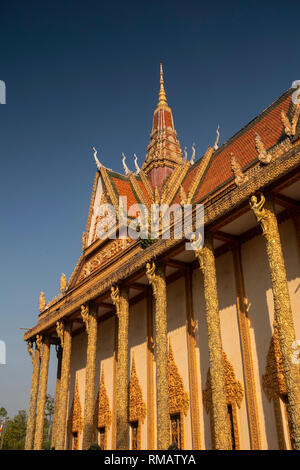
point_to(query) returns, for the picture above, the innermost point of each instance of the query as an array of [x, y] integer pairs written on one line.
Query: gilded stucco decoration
[[178, 398], [239, 177], [234, 395], [150, 272], [63, 284], [60, 332], [273, 380], [290, 125], [103, 415], [115, 297], [85, 316], [42, 302], [137, 406], [263, 155], [75, 420], [30, 350], [39, 344]]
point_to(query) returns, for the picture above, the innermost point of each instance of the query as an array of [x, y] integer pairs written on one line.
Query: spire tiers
[[163, 152]]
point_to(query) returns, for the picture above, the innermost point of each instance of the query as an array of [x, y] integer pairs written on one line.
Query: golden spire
[[162, 97]]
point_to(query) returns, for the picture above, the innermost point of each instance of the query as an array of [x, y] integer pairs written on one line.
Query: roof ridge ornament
[[239, 176], [136, 164], [162, 97], [216, 144], [192, 160], [126, 169], [98, 164], [263, 155]]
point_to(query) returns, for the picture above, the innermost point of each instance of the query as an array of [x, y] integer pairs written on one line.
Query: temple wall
[[176, 311]]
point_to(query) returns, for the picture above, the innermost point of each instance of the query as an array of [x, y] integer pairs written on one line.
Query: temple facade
[[157, 344]]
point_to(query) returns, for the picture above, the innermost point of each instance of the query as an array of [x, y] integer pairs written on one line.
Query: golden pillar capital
[[90, 374], [60, 432], [30, 350], [206, 258], [263, 208], [156, 276], [120, 298], [30, 429], [39, 431], [60, 332]]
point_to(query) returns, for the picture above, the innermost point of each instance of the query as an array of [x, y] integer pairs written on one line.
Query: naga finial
[[192, 160], [136, 164], [63, 283], [216, 145], [42, 302], [98, 164], [185, 154], [126, 169]]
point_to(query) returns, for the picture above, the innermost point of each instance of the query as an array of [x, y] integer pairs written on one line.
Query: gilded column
[[39, 430], [57, 391], [296, 220], [156, 277], [150, 377], [89, 315], [120, 298], [29, 441], [64, 388], [193, 373], [263, 209], [206, 258]]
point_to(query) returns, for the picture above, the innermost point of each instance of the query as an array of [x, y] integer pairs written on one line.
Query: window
[[289, 420], [134, 435], [176, 430], [101, 438], [75, 441], [233, 440]]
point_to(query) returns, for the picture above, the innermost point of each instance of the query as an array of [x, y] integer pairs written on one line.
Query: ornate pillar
[[150, 376], [263, 209], [64, 388], [156, 277], [29, 441], [39, 430], [57, 392], [120, 298], [206, 258], [89, 315]]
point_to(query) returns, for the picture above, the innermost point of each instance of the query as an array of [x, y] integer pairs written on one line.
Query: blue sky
[[87, 73]]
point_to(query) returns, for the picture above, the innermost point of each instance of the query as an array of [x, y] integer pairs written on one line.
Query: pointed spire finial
[[162, 97]]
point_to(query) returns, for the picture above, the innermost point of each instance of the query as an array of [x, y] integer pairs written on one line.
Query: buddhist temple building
[[159, 344]]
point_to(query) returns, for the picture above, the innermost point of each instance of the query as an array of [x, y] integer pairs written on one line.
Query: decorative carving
[[234, 393], [98, 164], [42, 302], [192, 160], [136, 164], [178, 398], [273, 380], [184, 199], [75, 421], [263, 155], [216, 145], [60, 332], [236, 168], [126, 169], [39, 343], [258, 208], [137, 406], [63, 283], [290, 127], [150, 272], [83, 241], [103, 415], [115, 297], [85, 316], [30, 350]]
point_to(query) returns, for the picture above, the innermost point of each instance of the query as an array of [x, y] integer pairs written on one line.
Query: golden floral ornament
[[137, 406], [236, 168], [60, 332], [63, 283], [42, 302], [85, 316], [273, 380], [30, 349], [178, 398], [263, 155], [257, 205], [103, 414], [75, 421]]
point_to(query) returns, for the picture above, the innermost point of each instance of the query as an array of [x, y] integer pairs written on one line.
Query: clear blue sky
[[87, 73]]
